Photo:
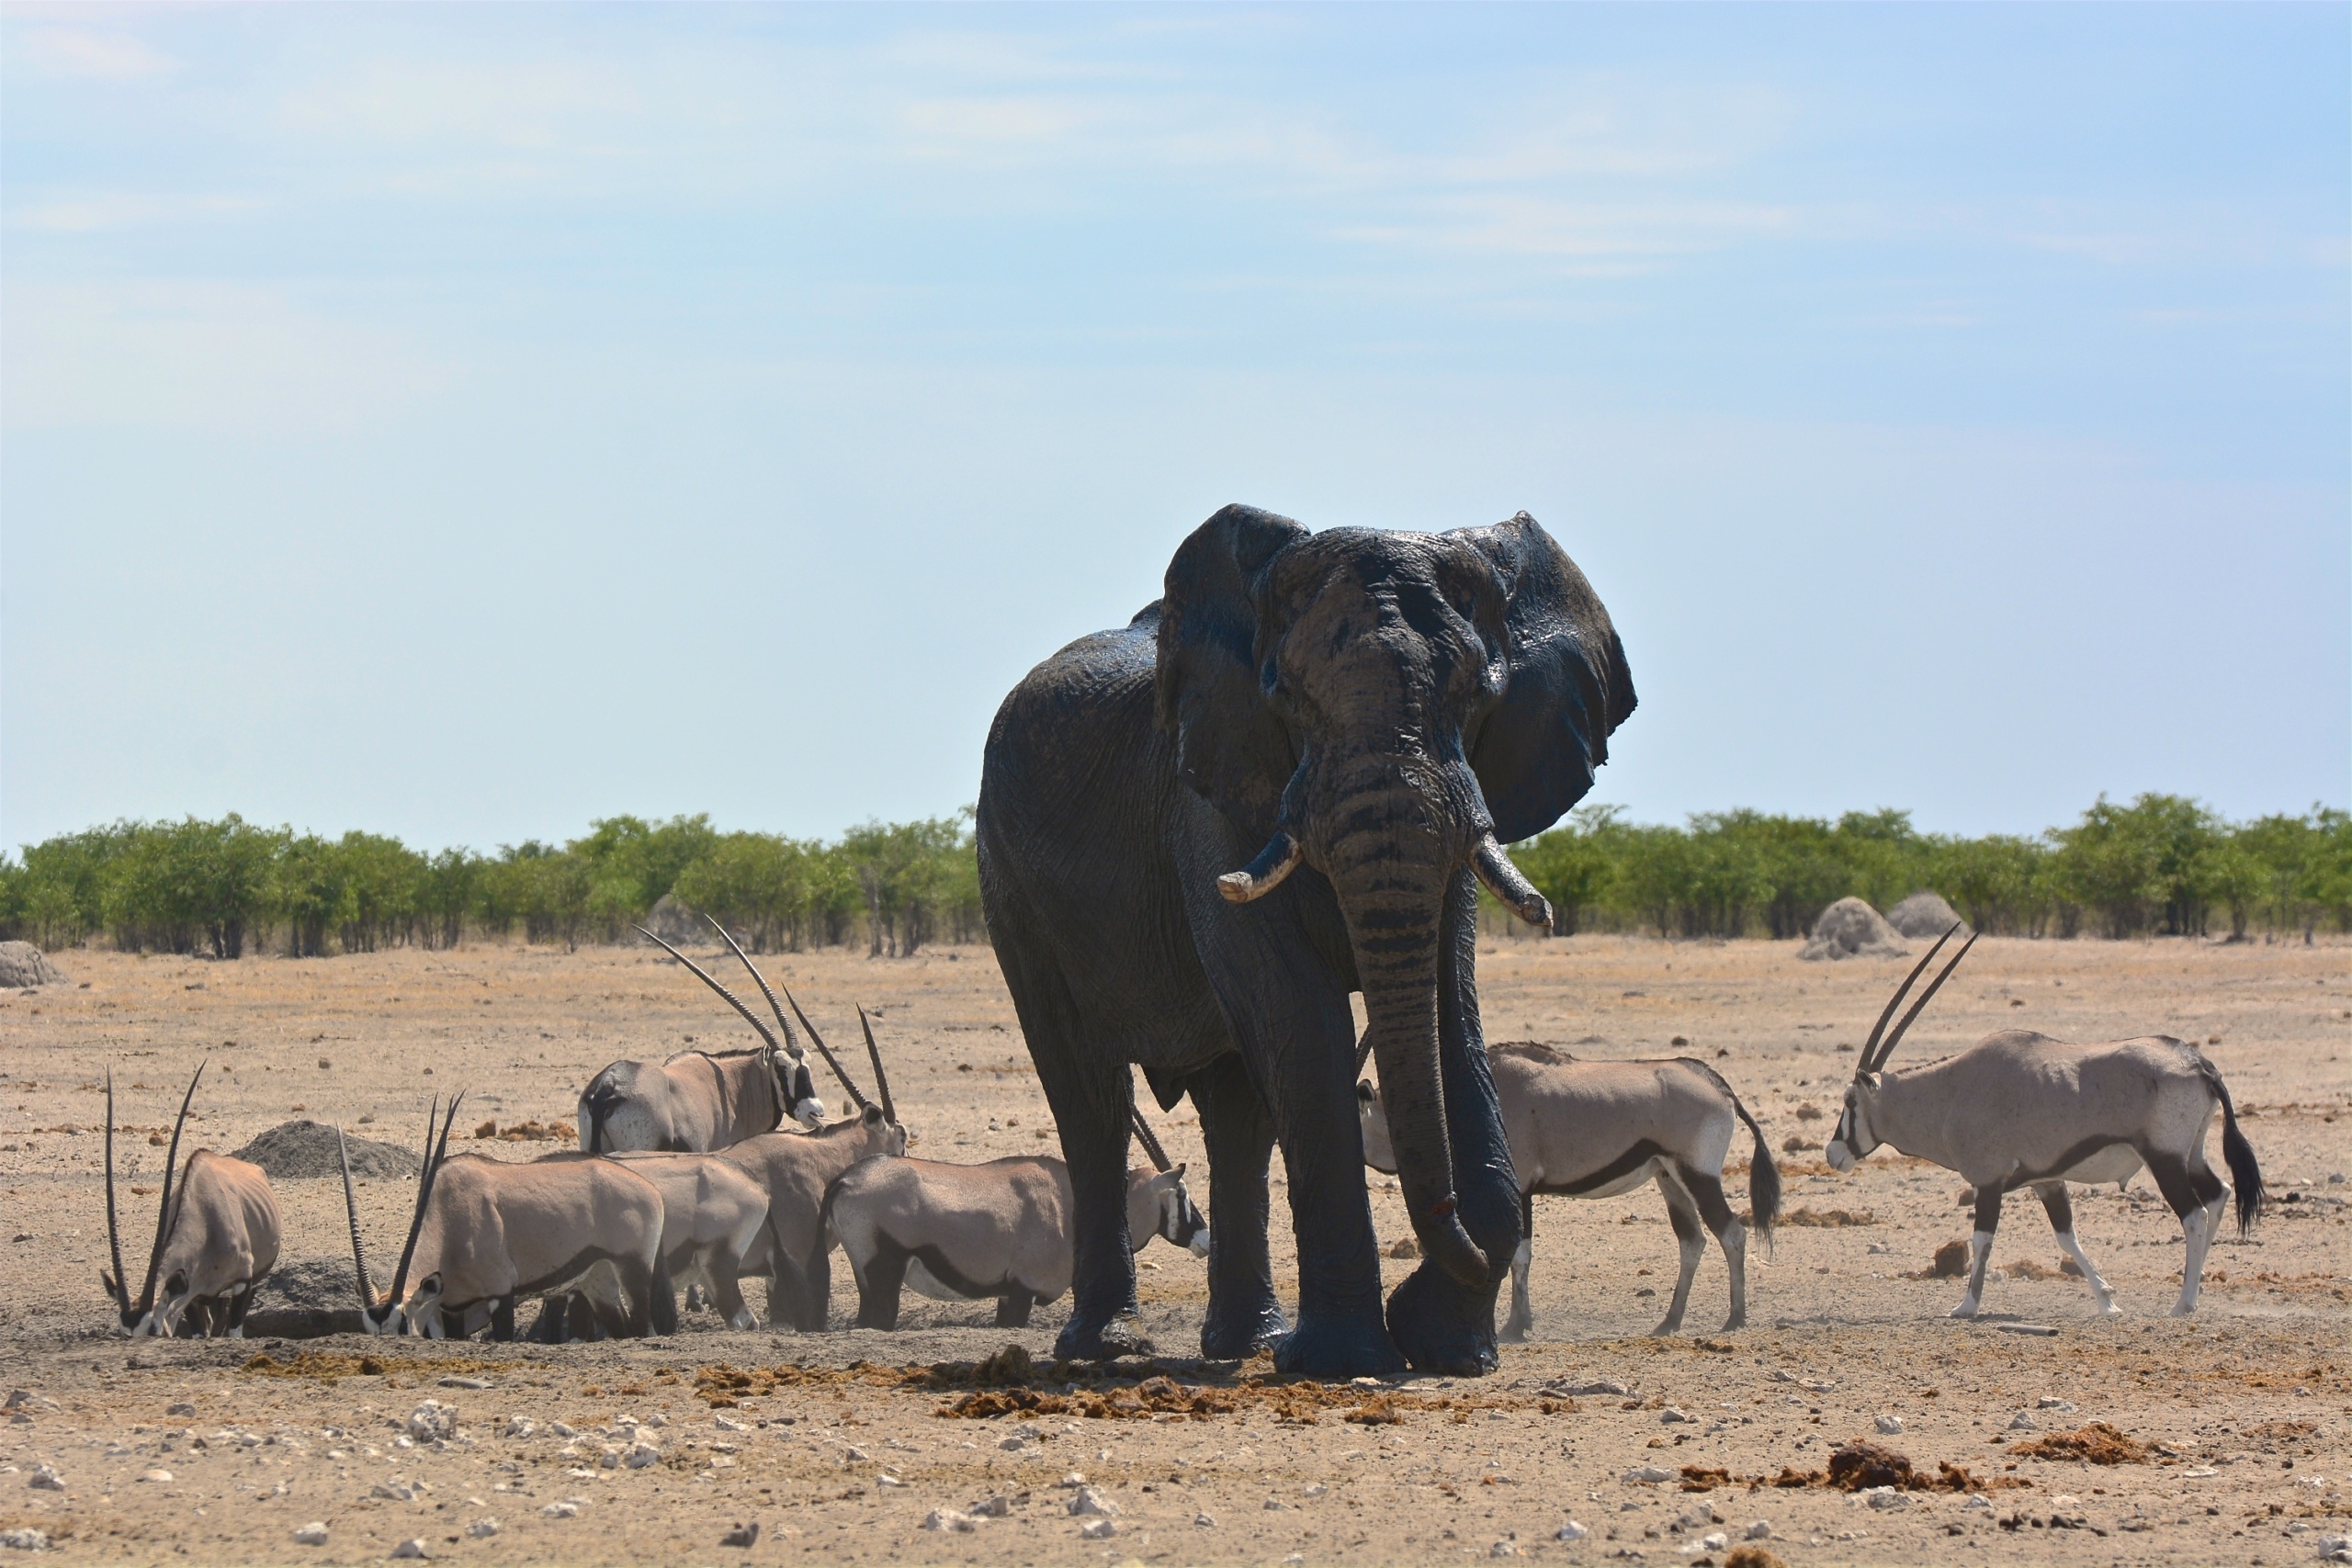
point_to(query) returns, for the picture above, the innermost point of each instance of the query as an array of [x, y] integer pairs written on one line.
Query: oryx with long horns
[[795, 1169], [483, 1232], [699, 1100], [2018, 1109], [1000, 1229], [1599, 1129], [216, 1234]]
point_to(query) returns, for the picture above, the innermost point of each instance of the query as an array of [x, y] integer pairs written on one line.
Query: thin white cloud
[[76, 51], [105, 210]]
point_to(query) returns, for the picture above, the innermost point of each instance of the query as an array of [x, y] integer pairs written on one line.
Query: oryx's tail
[[1763, 1177], [2244, 1175], [600, 1101]]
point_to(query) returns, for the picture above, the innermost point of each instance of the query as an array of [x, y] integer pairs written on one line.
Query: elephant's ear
[[1230, 747], [1568, 686]]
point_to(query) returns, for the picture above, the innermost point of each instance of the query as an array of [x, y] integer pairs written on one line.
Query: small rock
[[24, 1539], [1503, 1549], [723, 1425], [2052, 1402], [997, 1507], [856, 1455], [1206, 1521], [887, 1479], [46, 1479], [413, 1547], [1976, 1500], [432, 1419], [1572, 1532], [1886, 1497], [184, 1408], [949, 1520], [312, 1534], [1670, 1415], [1087, 1500], [744, 1535], [1714, 1541], [1275, 1505], [1758, 1529], [160, 1477], [2021, 1422], [1098, 1529], [1318, 1490], [1647, 1474], [561, 1510], [1890, 1426], [1075, 1478], [394, 1492], [562, 1429], [476, 1384], [1601, 1385], [1013, 1445], [642, 1454]]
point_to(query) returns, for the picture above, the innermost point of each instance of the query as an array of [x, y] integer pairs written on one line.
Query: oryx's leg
[[879, 1280], [1707, 1187], [241, 1301], [817, 1287], [1980, 1247], [653, 1299], [1522, 1319], [552, 1327], [726, 1290], [1692, 1237], [501, 1317], [2061, 1210], [2198, 1197], [1012, 1308]]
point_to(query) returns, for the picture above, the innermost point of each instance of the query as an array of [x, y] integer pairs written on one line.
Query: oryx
[[1599, 1129], [216, 1234], [698, 1101], [795, 1169], [712, 1213], [2018, 1109], [483, 1232], [1000, 1229]]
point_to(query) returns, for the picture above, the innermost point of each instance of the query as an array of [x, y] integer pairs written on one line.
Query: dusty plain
[[840, 1446]]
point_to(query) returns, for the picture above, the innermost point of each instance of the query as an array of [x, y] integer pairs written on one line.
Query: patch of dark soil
[[304, 1150], [1860, 1465], [328, 1366], [528, 1132], [2098, 1443], [1828, 1219]]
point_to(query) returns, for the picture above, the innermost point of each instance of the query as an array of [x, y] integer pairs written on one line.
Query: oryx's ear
[[1365, 1092], [873, 1117], [1867, 1080], [106, 1282]]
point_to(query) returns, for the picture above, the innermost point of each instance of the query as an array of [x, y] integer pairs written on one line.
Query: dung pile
[[23, 964], [1924, 914], [293, 1151], [1851, 928], [2098, 1443]]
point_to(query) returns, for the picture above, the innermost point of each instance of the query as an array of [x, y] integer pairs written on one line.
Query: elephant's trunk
[[1390, 854]]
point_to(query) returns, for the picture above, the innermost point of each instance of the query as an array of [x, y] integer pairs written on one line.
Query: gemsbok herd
[[709, 1168]]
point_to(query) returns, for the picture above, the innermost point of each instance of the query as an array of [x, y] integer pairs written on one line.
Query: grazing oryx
[[2018, 1109], [1599, 1129], [795, 1169], [697, 1101], [1001, 1229], [483, 1232], [216, 1238]]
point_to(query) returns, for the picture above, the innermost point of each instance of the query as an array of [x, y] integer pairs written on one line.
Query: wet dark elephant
[[1360, 717]]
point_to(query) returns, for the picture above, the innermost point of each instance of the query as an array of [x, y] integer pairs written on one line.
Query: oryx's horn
[[857, 1096], [120, 1287], [1866, 1063], [1261, 876], [881, 1078], [732, 999], [1363, 1050], [1150, 1142], [1506, 882], [1944, 974], [791, 1044], [425, 1179], [164, 1213], [351, 1212]]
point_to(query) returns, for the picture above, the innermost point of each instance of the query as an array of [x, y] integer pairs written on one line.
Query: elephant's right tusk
[[1261, 876], [1506, 882]]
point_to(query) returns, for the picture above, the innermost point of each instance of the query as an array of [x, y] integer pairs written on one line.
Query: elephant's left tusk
[[1506, 882], [1261, 876]]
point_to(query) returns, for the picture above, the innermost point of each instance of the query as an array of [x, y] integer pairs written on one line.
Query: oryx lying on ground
[[2018, 1109], [1599, 1129], [698, 1101], [483, 1232], [216, 1237], [795, 1169], [1001, 1229]]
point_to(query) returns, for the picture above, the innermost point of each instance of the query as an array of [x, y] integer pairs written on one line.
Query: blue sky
[[464, 421]]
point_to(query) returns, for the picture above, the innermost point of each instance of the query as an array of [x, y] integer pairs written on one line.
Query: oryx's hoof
[[1515, 1332], [1121, 1335], [1965, 1309], [1443, 1326], [1737, 1320], [1328, 1348], [2183, 1309], [1667, 1330], [2109, 1309]]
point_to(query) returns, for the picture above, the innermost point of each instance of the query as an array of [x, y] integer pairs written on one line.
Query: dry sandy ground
[[176, 1452]]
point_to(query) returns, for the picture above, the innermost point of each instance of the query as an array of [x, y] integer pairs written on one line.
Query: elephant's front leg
[[1244, 1314]]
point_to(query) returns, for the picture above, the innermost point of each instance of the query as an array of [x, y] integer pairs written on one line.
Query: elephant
[[1362, 717]]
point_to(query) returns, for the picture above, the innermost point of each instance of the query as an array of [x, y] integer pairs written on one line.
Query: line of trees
[[2162, 865], [228, 887]]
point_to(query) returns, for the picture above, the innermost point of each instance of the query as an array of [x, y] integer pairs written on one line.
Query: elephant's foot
[[1121, 1335], [1338, 1347], [1444, 1326], [1237, 1334]]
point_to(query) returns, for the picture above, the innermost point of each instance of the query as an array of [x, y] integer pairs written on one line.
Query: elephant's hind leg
[[1244, 1316]]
